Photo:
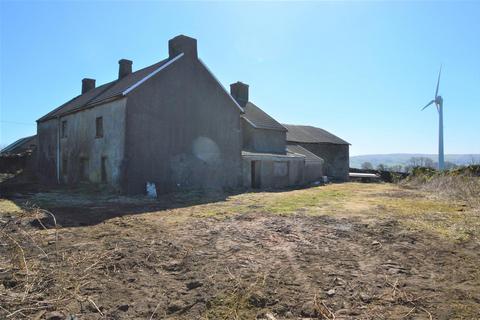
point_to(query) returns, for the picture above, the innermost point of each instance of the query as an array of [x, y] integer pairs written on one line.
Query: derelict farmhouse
[[174, 125]]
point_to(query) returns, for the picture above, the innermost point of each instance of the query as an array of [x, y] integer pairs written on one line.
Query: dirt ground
[[342, 251]]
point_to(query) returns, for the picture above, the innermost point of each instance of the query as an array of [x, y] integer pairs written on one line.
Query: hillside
[[403, 159]]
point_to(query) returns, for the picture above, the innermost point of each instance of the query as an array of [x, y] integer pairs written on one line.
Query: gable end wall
[[183, 132]]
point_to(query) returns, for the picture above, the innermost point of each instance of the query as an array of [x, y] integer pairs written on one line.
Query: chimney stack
[[124, 68], [181, 44], [87, 85], [239, 92]]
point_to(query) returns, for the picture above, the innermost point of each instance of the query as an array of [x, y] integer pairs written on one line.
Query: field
[[341, 251]]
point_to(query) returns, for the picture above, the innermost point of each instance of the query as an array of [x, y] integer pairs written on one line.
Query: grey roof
[[309, 134], [260, 119], [309, 156], [288, 155], [103, 92], [20, 145]]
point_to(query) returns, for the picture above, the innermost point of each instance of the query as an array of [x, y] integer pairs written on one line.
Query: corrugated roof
[[19, 145], [309, 156], [309, 134], [103, 92], [260, 118]]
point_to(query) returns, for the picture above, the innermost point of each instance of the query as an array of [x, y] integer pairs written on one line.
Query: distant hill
[[403, 158]]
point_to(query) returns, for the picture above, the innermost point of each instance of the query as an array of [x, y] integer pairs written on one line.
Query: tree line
[[413, 162]]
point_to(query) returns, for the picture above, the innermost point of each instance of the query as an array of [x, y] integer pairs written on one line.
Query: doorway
[[255, 174]]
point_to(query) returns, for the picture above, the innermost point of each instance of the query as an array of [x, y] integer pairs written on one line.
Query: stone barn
[[172, 124], [333, 150]]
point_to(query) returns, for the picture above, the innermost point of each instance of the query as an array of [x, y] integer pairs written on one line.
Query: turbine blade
[[431, 102], [438, 81]]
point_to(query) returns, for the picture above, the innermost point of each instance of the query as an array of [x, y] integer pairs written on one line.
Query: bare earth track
[[347, 251]]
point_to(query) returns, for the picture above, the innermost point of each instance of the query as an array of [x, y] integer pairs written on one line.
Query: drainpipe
[[58, 150]]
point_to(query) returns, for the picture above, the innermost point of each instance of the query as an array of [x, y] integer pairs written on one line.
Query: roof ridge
[[311, 134], [95, 95]]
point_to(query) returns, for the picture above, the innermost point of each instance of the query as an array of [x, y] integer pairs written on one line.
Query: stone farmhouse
[[174, 125]]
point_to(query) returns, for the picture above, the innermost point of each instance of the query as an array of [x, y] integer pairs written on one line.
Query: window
[[64, 166], [104, 169], [83, 169], [64, 129], [99, 127]]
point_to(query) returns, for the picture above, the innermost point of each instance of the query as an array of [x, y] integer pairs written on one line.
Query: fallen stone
[[309, 310], [257, 299], [365, 297], [123, 307], [55, 315], [175, 306], [331, 292], [194, 284]]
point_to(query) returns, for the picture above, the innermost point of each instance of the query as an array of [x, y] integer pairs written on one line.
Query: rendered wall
[[183, 132], [47, 151], [263, 140], [80, 143], [270, 177]]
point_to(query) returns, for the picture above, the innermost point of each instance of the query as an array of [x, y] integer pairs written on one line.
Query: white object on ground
[[151, 190]]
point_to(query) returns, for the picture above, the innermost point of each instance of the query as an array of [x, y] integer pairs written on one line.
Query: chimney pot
[[124, 68], [181, 44], [87, 85], [239, 92]]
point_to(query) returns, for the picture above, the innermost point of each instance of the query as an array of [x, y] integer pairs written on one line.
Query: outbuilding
[[332, 149]]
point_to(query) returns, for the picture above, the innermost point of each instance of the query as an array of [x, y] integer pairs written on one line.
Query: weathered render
[[267, 170], [171, 124], [183, 129], [314, 165], [333, 150], [266, 161]]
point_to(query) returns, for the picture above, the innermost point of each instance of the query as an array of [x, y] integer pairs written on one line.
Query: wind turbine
[[438, 100]]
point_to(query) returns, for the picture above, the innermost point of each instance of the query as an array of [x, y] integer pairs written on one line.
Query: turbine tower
[[438, 100]]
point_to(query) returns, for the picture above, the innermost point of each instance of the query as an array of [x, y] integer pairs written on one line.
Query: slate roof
[[260, 119], [309, 156], [20, 145], [309, 134], [103, 92]]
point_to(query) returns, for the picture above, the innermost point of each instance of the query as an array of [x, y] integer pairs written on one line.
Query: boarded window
[[280, 168], [104, 169], [84, 169], [99, 127], [64, 129]]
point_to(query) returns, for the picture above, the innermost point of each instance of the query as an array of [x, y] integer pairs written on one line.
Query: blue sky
[[361, 70]]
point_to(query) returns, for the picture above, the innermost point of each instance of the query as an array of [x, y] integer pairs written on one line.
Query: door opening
[[255, 174]]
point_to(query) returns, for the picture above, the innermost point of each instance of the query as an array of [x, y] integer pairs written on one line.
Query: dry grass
[[35, 266], [453, 218], [457, 187]]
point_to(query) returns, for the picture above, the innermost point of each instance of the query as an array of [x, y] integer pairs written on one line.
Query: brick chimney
[[183, 44], [124, 68], [239, 92], [87, 85]]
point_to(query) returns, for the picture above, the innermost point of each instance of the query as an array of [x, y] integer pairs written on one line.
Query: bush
[[459, 184]]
